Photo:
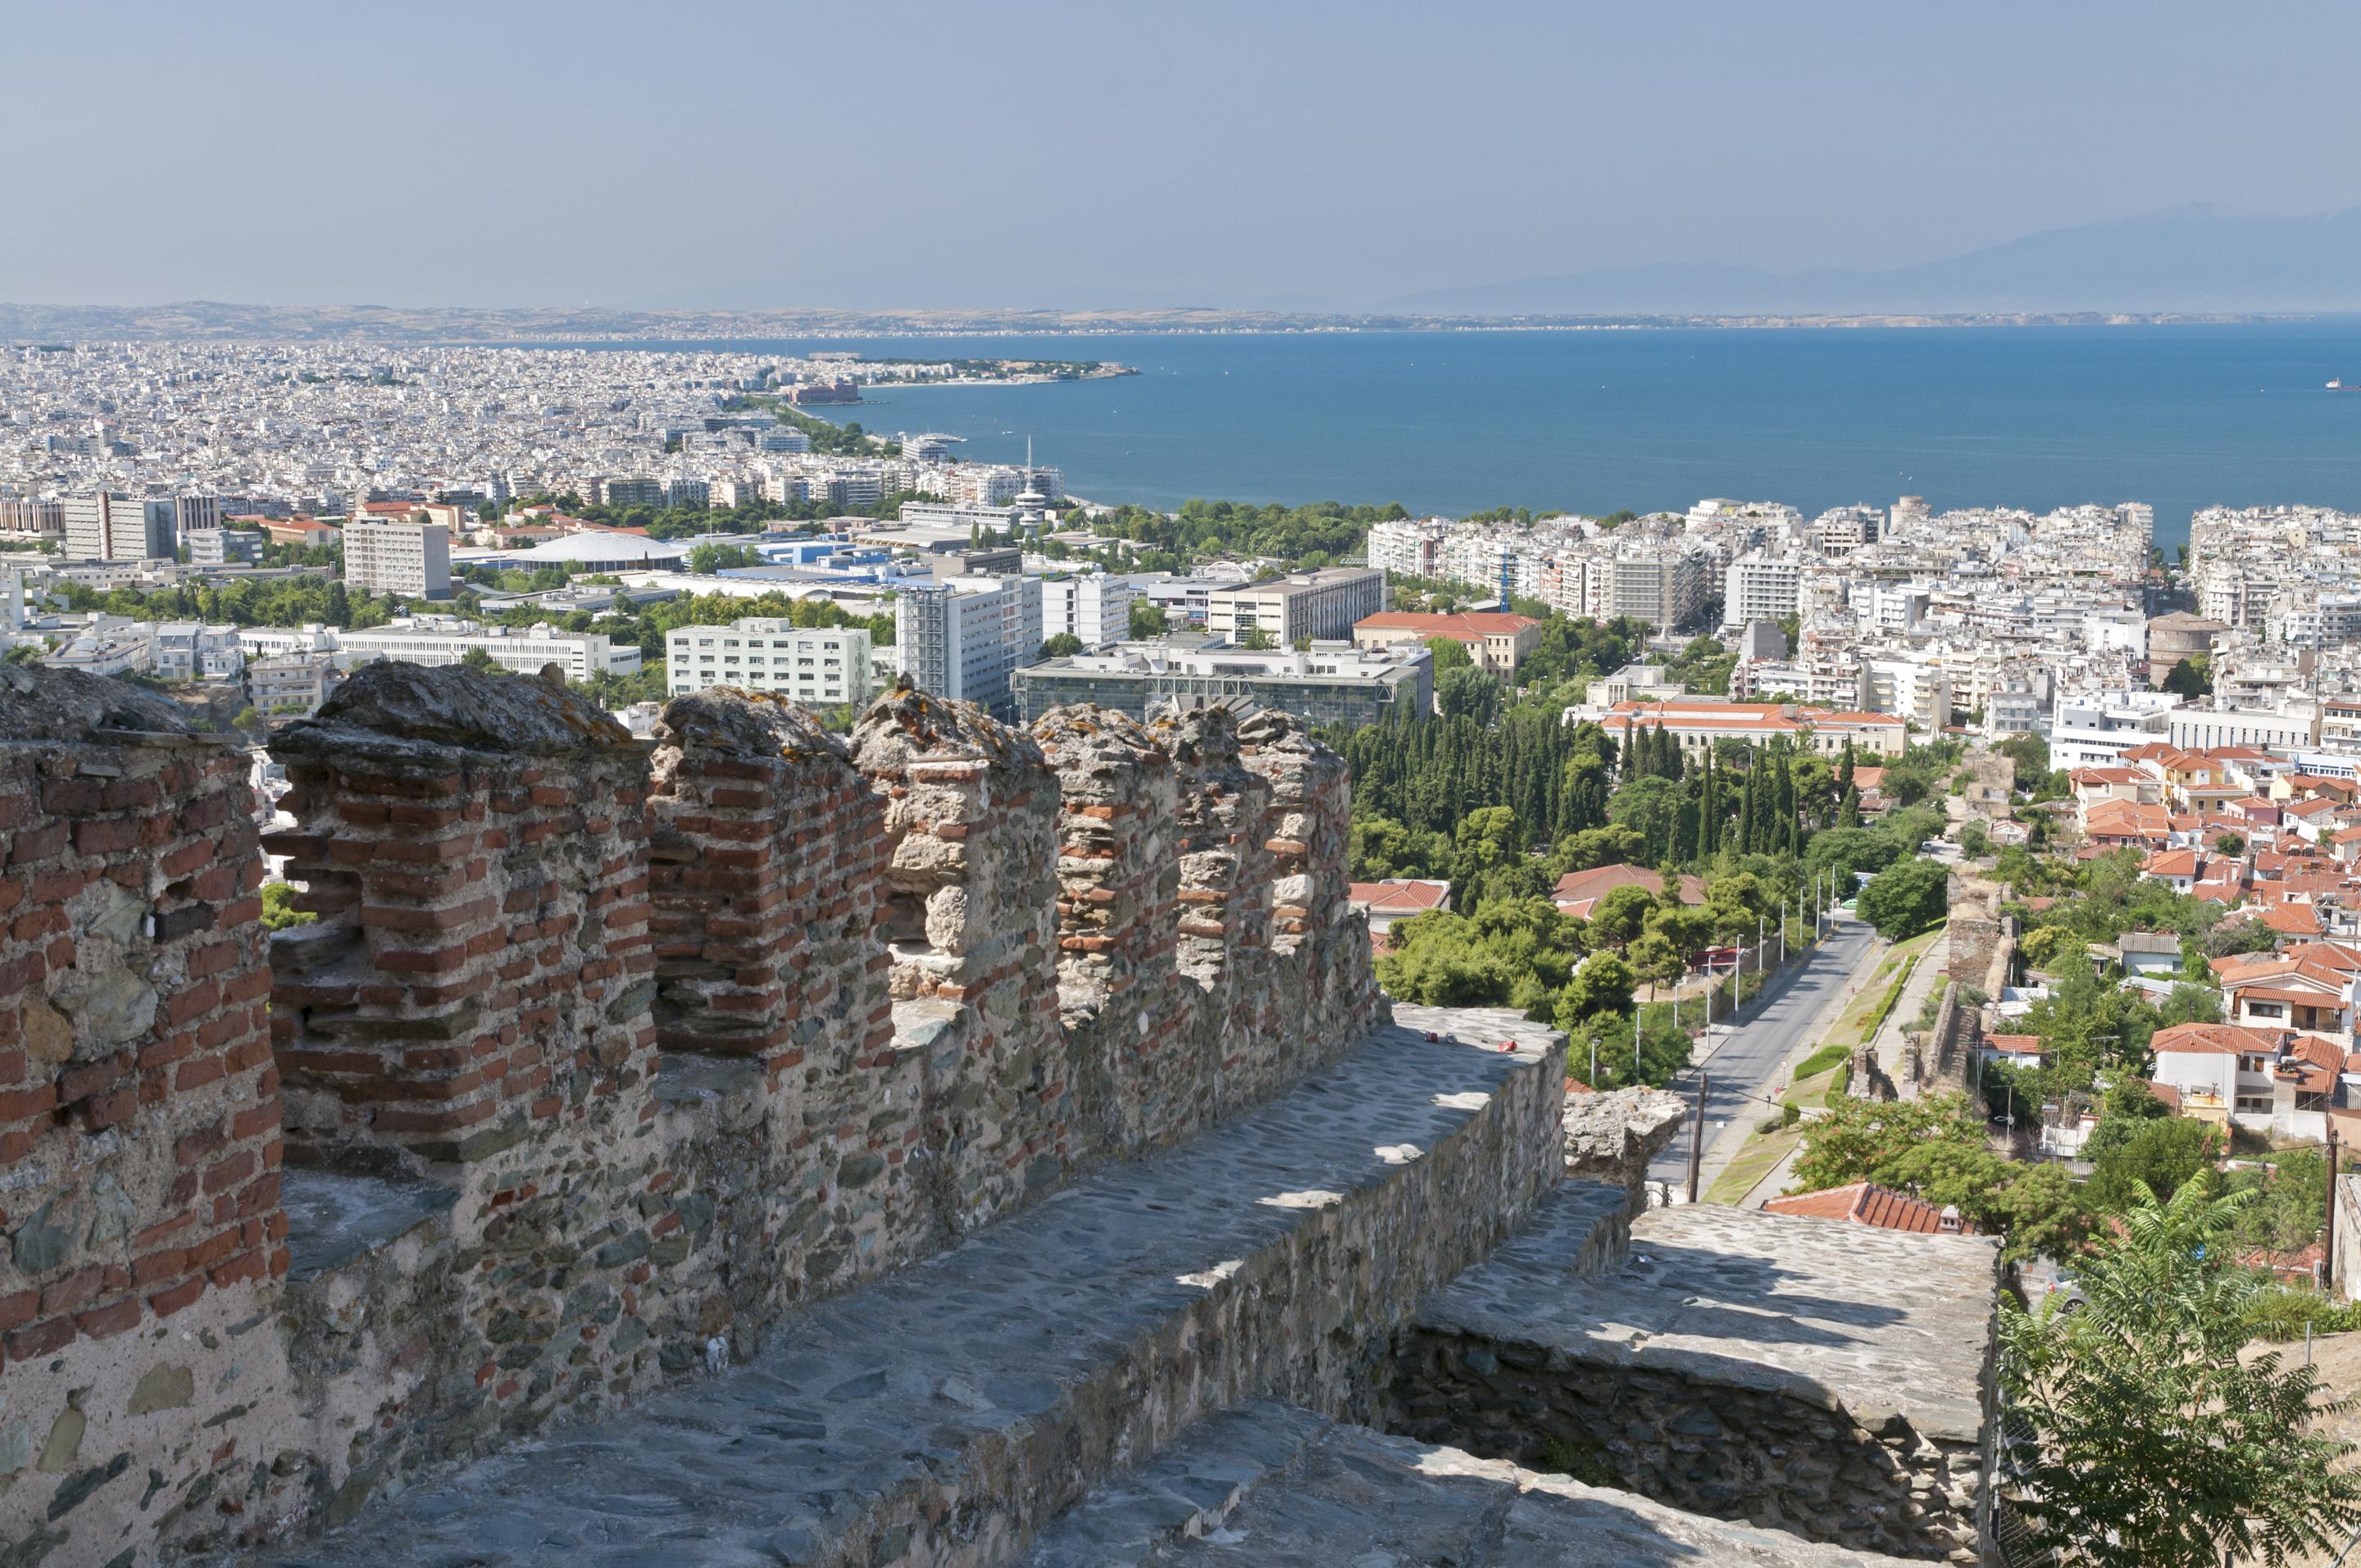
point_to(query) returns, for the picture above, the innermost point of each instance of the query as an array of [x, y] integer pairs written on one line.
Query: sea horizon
[[2179, 416]]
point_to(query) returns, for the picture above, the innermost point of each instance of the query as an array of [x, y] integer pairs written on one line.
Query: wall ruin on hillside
[[597, 1058]]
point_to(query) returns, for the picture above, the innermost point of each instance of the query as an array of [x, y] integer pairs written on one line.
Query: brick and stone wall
[[597, 1058], [139, 1136]]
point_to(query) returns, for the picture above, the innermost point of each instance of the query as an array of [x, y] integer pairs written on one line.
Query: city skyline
[[790, 157]]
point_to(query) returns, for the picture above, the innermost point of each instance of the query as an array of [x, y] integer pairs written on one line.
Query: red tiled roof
[[1866, 1204], [1469, 626], [2292, 919], [1401, 895], [2015, 1045], [2218, 1039], [1586, 888]]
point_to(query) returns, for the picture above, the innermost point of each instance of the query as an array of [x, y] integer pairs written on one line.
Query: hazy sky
[[870, 152]]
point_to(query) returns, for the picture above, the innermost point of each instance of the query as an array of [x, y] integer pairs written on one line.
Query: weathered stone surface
[[1612, 1136], [940, 1414], [1277, 1487], [1824, 1378], [67, 704], [454, 706]]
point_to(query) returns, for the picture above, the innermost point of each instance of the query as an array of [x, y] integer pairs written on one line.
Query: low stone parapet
[[943, 1414], [1277, 1484], [1811, 1376]]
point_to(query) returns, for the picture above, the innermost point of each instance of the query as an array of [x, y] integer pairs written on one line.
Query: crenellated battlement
[[597, 1058]]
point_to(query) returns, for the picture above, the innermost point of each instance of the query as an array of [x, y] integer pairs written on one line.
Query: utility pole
[[1697, 1139], [2328, 1230]]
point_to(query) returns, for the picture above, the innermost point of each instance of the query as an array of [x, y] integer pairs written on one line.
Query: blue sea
[[2179, 416]]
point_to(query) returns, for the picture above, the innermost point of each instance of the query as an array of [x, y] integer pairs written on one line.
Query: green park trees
[[1905, 898]]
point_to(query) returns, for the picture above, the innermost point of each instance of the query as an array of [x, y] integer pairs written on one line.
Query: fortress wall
[[598, 1059], [1140, 1069], [140, 1141]]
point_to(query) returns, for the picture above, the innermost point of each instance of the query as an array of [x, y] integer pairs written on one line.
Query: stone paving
[[1813, 1375], [1275, 1487], [941, 1414]]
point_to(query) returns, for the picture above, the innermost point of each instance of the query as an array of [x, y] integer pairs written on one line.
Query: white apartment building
[[397, 555], [2201, 728], [1760, 587], [1095, 608], [1840, 530], [2094, 730], [525, 650], [1322, 605], [118, 528], [292, 685], [108, 650], [819, 667], [1411, 545], [963, 637], [1664, 587], [1920, 693], [187, 651]]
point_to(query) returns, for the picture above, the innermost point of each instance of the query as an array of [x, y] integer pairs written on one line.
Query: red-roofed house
[[1577, 890], [2265, 1080], [2025, 1050], [1397, 898], [2292, 919], [1866, 1204], [1498, 642], [2177, 869], [2118, 822]]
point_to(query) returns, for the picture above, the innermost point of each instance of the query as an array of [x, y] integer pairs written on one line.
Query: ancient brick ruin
[[803, 1102]]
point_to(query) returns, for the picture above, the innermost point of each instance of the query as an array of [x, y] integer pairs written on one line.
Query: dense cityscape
[[1977, 877]]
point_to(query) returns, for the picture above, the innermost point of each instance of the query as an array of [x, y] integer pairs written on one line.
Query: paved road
[[1747, 1061]]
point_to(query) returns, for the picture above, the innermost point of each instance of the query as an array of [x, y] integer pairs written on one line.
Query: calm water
[[2177, 416]]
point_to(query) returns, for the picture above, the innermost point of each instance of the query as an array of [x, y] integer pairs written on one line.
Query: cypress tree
[[1708, 810], [1630, 772], [1748, 817], [1784, 828], [1849, 813], [1844, 769]]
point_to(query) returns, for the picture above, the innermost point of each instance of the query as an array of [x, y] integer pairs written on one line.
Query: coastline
[[34, 324]]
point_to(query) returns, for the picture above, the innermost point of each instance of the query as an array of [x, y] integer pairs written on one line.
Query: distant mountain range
[[2196, 259]]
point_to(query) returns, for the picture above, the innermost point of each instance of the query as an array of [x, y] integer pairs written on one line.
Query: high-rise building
[[1663, 587], [962, 638], [398, 555], [1094, 606], [107, 527], [1760, 587], [1287, 610], [191, 514]]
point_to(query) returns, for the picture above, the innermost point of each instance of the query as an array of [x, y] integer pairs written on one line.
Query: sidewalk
[[1923, 978]]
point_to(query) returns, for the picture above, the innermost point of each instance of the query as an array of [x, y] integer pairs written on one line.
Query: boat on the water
[[2340, 384]]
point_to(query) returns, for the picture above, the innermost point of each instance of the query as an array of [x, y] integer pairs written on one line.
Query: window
[[2253, 1105], [2266, 1010]]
